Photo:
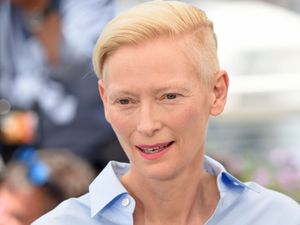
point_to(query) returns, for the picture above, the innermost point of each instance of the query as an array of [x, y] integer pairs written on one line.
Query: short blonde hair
[[155, 19]]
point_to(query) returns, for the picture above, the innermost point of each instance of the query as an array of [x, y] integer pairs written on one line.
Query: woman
[[160, 81]]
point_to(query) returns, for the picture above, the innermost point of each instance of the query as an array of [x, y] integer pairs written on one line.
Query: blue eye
[[171, 96]]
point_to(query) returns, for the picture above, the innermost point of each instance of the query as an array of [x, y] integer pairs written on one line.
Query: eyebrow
[[166, 87], [117, 92], [170, 87]]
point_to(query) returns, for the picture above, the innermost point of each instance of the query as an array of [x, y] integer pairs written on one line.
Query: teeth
[[153, 150]]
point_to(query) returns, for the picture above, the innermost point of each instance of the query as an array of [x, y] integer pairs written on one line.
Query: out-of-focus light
[[4, 106]]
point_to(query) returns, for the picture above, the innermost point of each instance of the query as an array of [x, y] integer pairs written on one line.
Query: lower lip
[[154, 156]]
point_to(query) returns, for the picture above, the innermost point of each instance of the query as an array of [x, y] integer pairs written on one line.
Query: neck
[[189, 198]]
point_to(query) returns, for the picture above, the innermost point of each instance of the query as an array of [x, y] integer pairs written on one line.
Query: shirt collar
[[226, 182], [107, 186]]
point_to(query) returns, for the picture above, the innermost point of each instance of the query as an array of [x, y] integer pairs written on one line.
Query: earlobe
[[102, 92], [220, 90]]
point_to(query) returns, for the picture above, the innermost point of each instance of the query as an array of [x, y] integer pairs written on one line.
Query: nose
[[149, 120]]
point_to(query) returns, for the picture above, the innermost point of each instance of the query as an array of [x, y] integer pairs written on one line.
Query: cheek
[[191, 117], [120, 123], [192, 122], [123, 128]]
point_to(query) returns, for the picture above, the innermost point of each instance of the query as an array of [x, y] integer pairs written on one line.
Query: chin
[[160, 171]]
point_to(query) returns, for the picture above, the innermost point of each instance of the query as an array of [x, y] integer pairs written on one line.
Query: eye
[[123, 101], [171, 96]]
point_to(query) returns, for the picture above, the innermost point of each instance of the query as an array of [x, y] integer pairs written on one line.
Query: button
[[125, 202]]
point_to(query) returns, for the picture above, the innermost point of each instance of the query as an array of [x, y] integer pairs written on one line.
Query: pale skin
[[152, 96]]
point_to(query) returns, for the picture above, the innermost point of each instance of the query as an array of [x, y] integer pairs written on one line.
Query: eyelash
[[125, 101], [170, 96], [122, 101]]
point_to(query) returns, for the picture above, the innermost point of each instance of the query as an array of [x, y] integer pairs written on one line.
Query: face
[[158, 108], [21, 207]]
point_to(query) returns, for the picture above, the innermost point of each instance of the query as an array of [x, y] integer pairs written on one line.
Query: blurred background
[[49, 104], [258, 135], [48, 91], [53, 103]]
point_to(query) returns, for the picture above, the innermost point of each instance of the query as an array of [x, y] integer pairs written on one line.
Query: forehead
[[159, 56]]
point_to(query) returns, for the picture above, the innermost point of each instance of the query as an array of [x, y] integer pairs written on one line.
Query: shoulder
[[70, 212], [273, 203]]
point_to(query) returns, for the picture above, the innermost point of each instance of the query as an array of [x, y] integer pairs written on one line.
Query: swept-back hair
[[157, 19]]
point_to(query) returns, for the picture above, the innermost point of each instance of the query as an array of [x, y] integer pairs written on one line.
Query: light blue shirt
[[108, 202]]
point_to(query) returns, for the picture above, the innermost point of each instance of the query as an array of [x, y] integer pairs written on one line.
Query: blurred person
[[45, 68], [160, 82], [36, 181]]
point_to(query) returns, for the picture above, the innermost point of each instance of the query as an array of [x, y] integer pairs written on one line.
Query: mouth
[[153, 149]]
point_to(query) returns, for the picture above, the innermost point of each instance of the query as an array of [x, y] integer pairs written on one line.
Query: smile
[[155, 149], [152, 149]]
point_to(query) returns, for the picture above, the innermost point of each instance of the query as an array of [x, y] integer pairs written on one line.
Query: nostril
[[149, 127]]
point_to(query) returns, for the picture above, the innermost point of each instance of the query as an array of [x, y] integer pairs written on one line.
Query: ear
[[220, 89], [102, 92]]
